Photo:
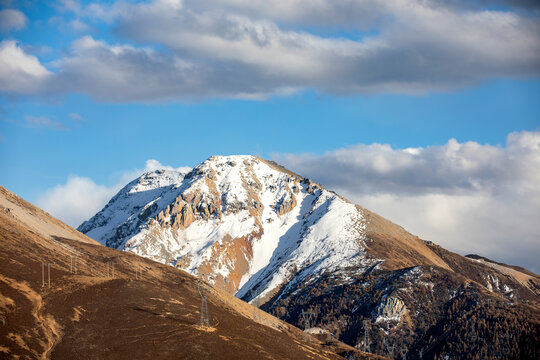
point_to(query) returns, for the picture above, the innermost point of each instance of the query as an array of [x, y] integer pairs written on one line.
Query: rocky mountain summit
[[287, 245], [240, 222]]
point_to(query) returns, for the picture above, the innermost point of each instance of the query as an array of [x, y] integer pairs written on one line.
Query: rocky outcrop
[[391, 308]]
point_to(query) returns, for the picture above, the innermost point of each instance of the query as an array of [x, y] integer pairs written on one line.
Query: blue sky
[[113, 138], [93, 90]]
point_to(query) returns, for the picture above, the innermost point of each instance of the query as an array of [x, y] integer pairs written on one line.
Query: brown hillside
[[101, 311]]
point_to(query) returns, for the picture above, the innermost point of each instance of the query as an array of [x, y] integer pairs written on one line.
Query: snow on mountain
[[285, 244], [242, 223]]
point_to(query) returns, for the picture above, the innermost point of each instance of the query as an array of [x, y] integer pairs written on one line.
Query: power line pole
[[138, 272], [307, 316], [404, 353], [390, 351], [73, 264], [110, 269], [203, 292], [473, 335], [256, 314], [45, 267], [367, 344]]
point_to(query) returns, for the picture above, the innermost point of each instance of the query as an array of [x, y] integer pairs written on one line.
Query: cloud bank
[[467, 197], [178, 50]]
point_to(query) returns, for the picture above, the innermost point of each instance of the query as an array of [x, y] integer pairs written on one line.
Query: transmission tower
[[73, 264], [307, 316], [138, 272], [256, 314], [473, 334], [203, 291], [404, 353], [45, 268], [367, 342], [390, 351], [110, 269]]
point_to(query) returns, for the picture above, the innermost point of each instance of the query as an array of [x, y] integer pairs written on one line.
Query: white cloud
[[43, 122], [75, 200], [11, 19], [76, 117], [78, 25], [468, 197], [81, 198], [20, 72], [254, 49]]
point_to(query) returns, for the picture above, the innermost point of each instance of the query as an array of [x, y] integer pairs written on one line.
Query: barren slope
[[97, 312], [287, 245]]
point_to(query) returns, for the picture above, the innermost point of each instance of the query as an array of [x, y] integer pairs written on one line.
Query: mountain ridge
[[159, 210], [103, 303], [286, 244]]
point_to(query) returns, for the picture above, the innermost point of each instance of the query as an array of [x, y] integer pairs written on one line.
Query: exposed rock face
[[391, 308], [244, 224], [115, 318]]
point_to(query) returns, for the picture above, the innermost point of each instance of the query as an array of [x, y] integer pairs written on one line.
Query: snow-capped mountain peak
[[243, 223]]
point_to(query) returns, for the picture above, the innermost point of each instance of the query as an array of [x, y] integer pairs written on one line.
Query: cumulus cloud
[[11, 19], [254, 49], [19, 71], [468, 197], [81, 198], [76, 200]]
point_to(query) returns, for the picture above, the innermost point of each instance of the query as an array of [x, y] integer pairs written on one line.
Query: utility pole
[[307, 316], [73, 264], [473, 335], [138, 272], [45, 267], [404, 353], [256, 315], [390, 351], [203, 292], [110, 269], [367, 342]]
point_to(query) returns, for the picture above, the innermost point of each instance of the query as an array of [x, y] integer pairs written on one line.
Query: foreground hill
[[288, 245], [108, 304]]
